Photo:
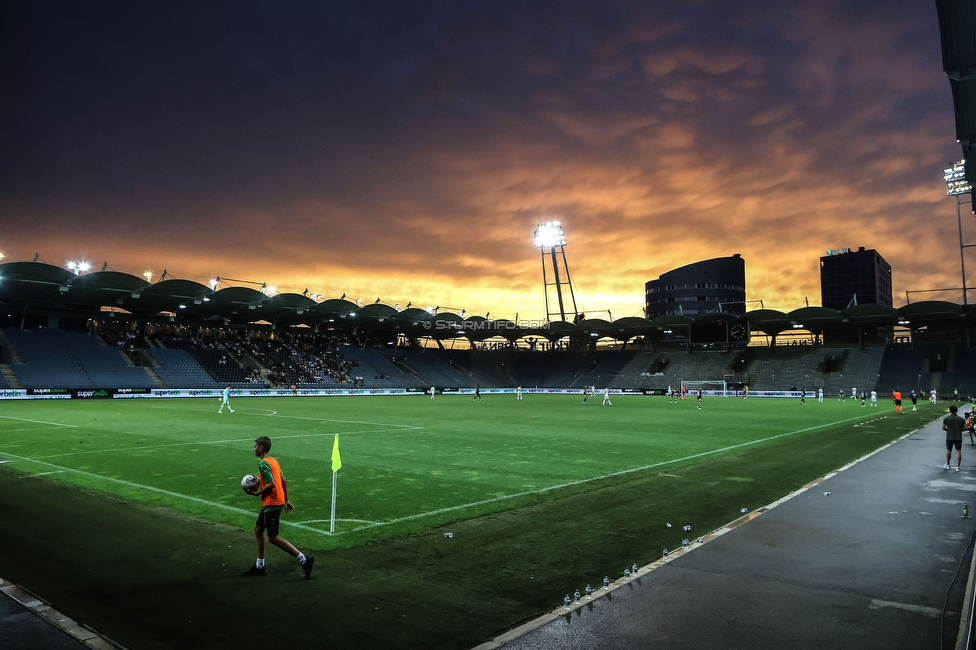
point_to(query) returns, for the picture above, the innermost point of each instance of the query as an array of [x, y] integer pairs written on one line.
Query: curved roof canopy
[[43, 288], [931, 311], [768, 321], [672, 321], [815, 319], [872, 315]]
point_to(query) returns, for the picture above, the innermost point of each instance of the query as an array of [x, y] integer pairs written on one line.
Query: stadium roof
[[957, 26], [42, 289]]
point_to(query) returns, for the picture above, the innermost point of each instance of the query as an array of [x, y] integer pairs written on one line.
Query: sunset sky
[[407, 151]]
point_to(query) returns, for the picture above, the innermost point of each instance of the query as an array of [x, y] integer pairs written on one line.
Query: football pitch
[[542, 495], [409, 463]]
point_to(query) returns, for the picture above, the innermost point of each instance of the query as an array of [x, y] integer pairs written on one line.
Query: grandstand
[[182, 334], [431, 368], [57, 358], [176, 368], [372, 370], [53, 358]]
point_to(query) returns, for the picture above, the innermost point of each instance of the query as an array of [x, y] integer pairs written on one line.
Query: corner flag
[[336, 460], [336, 465]]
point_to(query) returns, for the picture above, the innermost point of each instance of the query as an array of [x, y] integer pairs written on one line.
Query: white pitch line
[[157, 490], [304, 417], [378, 424], [322, 521], [53, 424], [207, 442], [594, 478]]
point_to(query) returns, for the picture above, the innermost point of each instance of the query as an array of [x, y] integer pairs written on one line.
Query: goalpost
[[715, 386]]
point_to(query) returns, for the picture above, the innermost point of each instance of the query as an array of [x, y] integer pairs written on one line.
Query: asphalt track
[[882, 562]]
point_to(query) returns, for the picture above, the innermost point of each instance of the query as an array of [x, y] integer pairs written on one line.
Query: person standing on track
[[953, 426]]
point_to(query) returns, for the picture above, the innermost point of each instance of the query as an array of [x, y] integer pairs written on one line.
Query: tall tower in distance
[[551, 240], [849, 278]]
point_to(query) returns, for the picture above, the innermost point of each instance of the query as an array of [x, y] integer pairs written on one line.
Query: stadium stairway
[[606, 368], [7, 377], [486, 368]]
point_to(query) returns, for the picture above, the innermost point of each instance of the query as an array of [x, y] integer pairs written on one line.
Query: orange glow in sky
[[409, 157]]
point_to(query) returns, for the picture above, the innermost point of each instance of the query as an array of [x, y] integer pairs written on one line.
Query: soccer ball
[[249, 482]]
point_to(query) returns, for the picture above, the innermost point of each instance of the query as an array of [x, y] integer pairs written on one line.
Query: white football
[[249, 482]]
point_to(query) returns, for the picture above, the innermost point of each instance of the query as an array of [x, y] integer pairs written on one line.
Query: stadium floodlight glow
[[955, 178], [550, 239], [148, 275], [549, 235], [957, 185], [1, 256], [78, 267], [213, 284]]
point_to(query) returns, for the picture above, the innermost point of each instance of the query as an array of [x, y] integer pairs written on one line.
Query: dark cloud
[[408, 150]]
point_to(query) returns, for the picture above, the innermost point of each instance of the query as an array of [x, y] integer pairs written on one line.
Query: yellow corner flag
[[336, 461]]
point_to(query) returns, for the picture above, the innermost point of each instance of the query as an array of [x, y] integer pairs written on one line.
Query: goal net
[[716, 387]]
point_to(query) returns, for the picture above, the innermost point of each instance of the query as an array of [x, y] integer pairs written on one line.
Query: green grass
[[542, 496]]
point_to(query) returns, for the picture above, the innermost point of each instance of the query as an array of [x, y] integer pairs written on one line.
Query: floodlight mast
[[957, 186], [551, 241]]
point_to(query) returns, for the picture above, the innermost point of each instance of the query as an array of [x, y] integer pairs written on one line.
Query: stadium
[[120, 370], [121, 332], [708, 472]]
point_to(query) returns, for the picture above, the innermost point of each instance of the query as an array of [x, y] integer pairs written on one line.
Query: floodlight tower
[[957, 186], [550, 239]]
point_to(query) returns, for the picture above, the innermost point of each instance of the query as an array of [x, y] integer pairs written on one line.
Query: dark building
[[708, 286], [848, 278]]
